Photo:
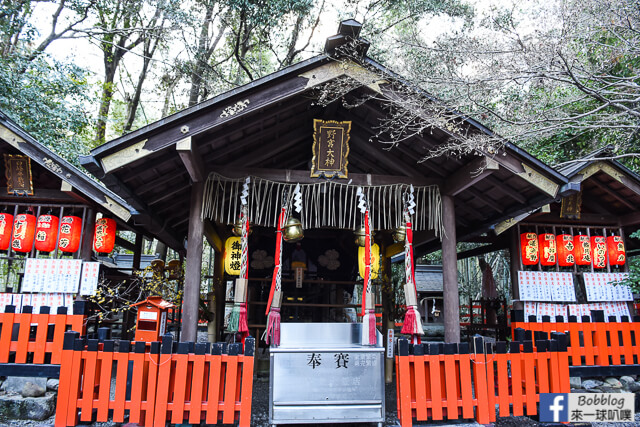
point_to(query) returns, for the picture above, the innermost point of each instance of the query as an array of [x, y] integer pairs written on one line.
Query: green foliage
[[633, 280], [46, 98]]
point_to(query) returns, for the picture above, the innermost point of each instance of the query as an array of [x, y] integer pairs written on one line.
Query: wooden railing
[[31, 344], [155, 383], [437, 381], [612, 345]]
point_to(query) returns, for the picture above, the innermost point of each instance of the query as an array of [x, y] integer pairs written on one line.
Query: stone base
[[14, 406]]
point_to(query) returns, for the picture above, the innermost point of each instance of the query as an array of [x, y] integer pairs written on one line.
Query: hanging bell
[[292, 231], [157, 265], [360, 236], [237, 228], [400, 234]]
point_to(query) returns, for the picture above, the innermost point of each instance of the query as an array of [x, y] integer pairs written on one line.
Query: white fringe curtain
[[325, 204]]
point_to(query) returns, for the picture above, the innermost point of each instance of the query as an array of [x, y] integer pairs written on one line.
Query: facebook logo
[[554, 407]]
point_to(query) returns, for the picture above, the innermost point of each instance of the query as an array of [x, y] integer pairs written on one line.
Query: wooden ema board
[[590, 343], [169, 382], [448, 381], [36, 338]]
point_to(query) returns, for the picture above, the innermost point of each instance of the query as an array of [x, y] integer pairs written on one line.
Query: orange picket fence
[[28, 338], [438, 381], [155, 383], [590, 343]]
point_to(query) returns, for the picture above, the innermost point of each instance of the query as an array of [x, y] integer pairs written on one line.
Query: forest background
[[560, 78]]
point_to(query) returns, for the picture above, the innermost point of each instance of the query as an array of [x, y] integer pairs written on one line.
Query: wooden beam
[[301, 176], [190, 303], [497, 246], [191, 159], [472, 173], [125, 244], [631, 184], [39, 194]]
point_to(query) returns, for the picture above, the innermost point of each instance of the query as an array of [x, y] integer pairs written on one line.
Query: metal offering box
[[322, 374]]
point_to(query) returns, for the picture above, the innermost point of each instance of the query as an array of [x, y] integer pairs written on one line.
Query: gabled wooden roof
[[55, 179], [610, 190], [265, 128]]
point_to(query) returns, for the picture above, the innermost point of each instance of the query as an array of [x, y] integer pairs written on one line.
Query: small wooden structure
[[151, 321], [61, 189], [605, 204]]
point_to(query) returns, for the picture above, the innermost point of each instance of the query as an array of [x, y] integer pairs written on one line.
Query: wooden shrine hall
[[183, 177]]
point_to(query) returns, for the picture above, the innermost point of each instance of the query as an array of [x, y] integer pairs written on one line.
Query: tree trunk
[[201, 58], [172, 83], [133, 105], [105, 99]]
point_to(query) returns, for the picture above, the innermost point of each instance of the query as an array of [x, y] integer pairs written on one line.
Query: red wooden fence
[[37, 338], [169, 382], [447, 381], [590, 343]]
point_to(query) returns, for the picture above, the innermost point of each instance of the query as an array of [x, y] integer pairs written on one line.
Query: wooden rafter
[[613, 193], [190, 156], [469, 175]]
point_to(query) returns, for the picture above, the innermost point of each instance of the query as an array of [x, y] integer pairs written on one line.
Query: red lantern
[[564, 244], [529, 248], [599, 251], [6, 224], [582, 249], [547, 244], [105, 235], [70, 232], [615, 247], [46, 233], [24, 228]]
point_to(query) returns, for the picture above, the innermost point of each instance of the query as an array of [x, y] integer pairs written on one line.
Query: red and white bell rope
[[368, 296], [238, 318], [272, 333], [412, 324]]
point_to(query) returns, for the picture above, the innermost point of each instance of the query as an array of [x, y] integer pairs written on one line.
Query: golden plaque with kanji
[[18, 174], [330, 148]]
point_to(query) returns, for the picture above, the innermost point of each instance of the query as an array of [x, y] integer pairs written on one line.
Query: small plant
[[113, 299]]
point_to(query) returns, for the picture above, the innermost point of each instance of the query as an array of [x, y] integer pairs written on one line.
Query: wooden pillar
[[193, 265], [161, 250], [388, 310], [137, 253], [220, 289], [514, 258], [86, 251], [451, 299]]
